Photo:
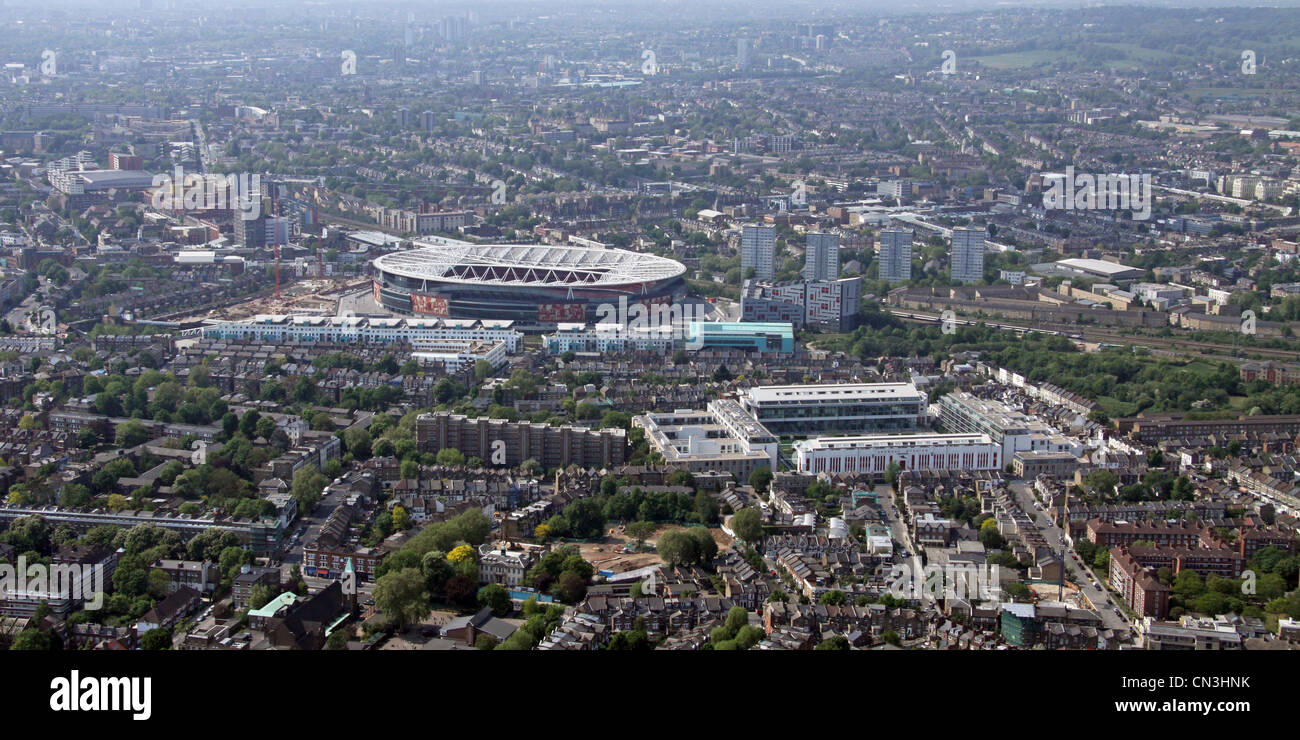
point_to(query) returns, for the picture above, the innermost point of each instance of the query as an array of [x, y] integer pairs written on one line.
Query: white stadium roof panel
[[523, 264]]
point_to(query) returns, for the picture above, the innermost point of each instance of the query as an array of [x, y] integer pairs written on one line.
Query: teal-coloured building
[[746, 336]]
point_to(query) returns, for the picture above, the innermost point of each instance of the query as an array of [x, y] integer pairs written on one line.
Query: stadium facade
[[532, 284]]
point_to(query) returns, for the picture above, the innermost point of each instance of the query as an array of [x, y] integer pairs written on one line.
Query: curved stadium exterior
[[529, 283]]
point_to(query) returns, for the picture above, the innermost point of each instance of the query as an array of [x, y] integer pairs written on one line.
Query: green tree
[[450, 457], [641, 531], [496, 597], [130, 433], [572, 587], [248, 424], [260, 596], [402, 596], [748, 525], [158, 638], [307, 486], [834, 642]]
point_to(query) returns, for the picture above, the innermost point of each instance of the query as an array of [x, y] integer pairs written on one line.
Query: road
[[900, 533], [1078, 574], [306, 528], [19, 315]]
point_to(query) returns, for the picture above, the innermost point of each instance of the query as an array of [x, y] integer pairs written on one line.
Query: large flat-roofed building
[[837, 408], [723, 438], [1109, 271], [1138, 585], [75, 182], [1162, 427], [873, 454], [1033, 463], [1157, 635], [454, 354], [262, 535], [610, 338], [304, 328], [830, 305], [746, 336], [502, 442], [1013, 430]]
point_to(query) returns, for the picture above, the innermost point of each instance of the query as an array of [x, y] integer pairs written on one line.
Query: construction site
[[318, 296]]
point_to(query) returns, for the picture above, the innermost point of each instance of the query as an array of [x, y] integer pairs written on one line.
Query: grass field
[[1202, 368], [1022, 59], [1116, 408]]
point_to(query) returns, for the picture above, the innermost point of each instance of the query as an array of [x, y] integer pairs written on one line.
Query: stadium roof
[[525, 264]]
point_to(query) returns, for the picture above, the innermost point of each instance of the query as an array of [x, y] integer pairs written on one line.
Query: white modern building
[[837, 408], [758, 250], [303, 328], [455, 354], [723, 438], [575, 337], [1012, 430], [873, 454]]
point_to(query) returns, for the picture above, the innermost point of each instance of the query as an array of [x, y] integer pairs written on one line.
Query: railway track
[[1172, 344]]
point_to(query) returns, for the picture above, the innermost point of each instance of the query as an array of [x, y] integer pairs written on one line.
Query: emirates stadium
[[531, 284]]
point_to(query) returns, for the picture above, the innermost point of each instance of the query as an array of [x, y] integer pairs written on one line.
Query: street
[[1097, 594]]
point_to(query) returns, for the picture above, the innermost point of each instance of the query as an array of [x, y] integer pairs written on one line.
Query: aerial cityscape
[[591, 326]]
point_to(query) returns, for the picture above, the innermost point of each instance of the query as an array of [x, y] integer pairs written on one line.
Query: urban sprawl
[[594, 327]]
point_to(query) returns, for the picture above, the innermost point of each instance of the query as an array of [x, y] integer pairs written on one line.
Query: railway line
[[1185, 347]]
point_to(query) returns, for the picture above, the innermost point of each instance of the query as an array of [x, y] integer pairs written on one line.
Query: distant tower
[[742, 53], [967, 262], [822, 257], [895, 258], [758, 250]]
